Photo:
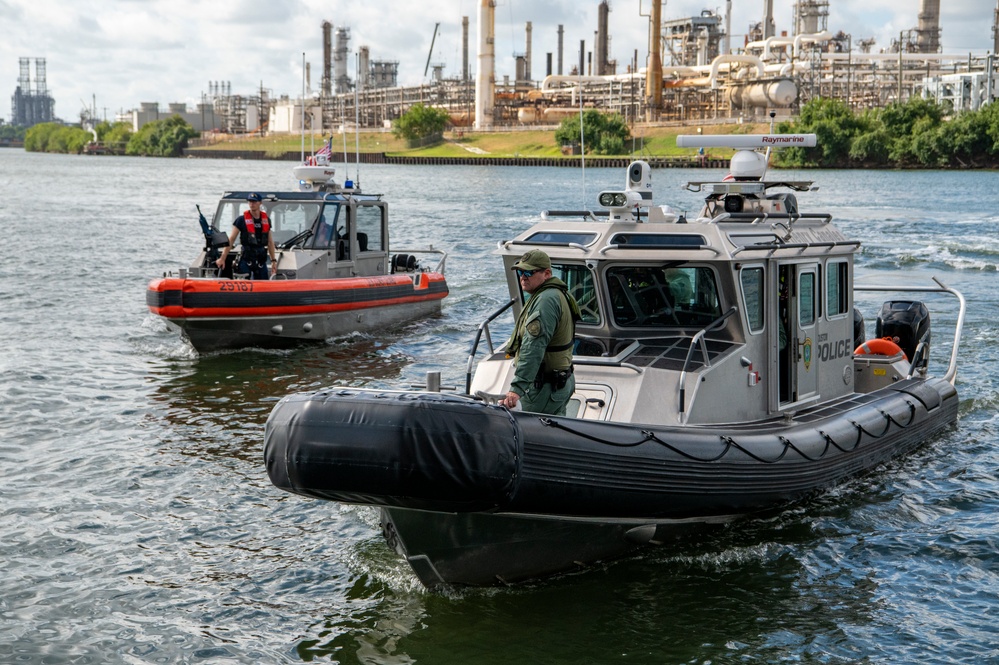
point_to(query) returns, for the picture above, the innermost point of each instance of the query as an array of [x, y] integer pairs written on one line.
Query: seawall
[[382, 158]]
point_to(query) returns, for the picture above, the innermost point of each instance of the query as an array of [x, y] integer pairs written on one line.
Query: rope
[[732, 444]]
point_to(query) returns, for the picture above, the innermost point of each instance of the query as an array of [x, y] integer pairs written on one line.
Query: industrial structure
[[31, 105], [693, 70]]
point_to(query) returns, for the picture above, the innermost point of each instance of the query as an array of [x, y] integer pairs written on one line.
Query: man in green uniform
[[542, 340]]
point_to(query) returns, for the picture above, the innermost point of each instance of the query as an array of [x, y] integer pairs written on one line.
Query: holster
[[556, 378]]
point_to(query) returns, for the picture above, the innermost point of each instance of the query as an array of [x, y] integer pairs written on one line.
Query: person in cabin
[[326, 232], [542, 340], [254, 230]]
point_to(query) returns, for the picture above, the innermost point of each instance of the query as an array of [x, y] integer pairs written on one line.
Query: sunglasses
[[521, 274]]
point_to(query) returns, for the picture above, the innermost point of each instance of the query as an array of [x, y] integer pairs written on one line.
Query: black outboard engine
[[859, 336], [907, 322], [404, 263]]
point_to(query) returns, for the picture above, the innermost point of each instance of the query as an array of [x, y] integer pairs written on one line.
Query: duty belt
[[557, 378]]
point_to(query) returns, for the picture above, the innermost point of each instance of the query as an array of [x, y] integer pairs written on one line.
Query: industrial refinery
[[692, 70]]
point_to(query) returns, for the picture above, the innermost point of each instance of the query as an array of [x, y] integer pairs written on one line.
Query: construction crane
[[429, 55]]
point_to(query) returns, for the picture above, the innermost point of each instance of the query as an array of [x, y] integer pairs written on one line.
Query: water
[[138, 524]]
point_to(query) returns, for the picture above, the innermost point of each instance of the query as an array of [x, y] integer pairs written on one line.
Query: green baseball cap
[[533, 260]]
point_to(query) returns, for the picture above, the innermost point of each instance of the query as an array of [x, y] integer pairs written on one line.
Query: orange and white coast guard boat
[[335, 273]]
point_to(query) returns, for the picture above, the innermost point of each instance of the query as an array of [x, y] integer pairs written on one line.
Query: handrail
[[505, 244], [590, 214], [483, 328], [774, 246], [699, 338], [693, 248], [951, 375], [760, 217], [440, 263]]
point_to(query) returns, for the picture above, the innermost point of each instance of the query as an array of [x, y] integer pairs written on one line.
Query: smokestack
[[327, 80], [464, 48], [928, 32], [560, 32], [769, 29], [363, 67], [341, 79], [485, 76], [995, 30], [527, 56], [601, 46], [727, 47], [582, 57], [654, 76]]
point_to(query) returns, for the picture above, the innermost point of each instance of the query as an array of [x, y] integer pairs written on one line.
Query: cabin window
[[753, 289], [670, 296], [561, 238], [579, 279], [837, 289], [806, 299], [369, 229], [325, 233], [288, 219], [657, 241]]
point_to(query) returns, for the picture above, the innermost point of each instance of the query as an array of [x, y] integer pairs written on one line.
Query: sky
[[115, 54]]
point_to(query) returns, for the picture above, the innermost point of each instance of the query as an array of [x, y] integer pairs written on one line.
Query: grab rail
[[483, 328], [775, 246], [951, 375], [698, 338], [427, 250]]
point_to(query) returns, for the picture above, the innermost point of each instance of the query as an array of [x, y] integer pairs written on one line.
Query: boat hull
[[223, 314], [476, 494]]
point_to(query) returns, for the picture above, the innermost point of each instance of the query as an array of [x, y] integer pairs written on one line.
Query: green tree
[[161, 138], [871, 147], [834, 126], [9, 132], [117, 136], [420, 122], [54, 137], [603, 134]]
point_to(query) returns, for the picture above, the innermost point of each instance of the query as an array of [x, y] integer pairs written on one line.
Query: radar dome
[[748, 165]]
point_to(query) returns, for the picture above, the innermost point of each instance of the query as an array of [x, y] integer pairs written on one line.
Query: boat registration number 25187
[[236, 285]]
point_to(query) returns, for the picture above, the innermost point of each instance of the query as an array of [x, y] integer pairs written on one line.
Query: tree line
[[160, 138], [918, 133]]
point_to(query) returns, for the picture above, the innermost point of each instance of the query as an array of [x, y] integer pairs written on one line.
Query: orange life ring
[[880, 347]]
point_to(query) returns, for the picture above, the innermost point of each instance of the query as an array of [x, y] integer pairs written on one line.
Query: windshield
[[663, 296], [288, 218]]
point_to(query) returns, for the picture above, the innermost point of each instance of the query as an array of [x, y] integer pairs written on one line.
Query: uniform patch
[[534, 327]]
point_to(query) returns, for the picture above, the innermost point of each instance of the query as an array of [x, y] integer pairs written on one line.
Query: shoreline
[[471, 160]]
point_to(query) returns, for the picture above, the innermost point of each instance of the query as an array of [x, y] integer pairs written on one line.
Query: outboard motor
[[859, 336], [403, 263], [907, 322]]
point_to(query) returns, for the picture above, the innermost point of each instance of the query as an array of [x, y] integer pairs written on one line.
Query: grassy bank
[[658, 141]]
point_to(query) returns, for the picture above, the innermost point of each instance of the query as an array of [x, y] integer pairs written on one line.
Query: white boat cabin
[[742, 313]]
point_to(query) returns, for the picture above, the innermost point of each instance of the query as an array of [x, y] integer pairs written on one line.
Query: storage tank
[[766, 94]]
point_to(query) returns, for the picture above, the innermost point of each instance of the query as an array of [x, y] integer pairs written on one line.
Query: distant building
[[203, 118], [32, 106], [967, 91]]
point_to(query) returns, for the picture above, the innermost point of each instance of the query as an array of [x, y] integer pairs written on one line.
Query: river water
[[138, 524]]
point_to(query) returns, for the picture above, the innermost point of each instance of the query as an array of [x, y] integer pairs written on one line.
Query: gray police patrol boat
[[721, 370]]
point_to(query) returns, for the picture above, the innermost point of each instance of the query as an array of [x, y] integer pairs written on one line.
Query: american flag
[[325, 150]]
